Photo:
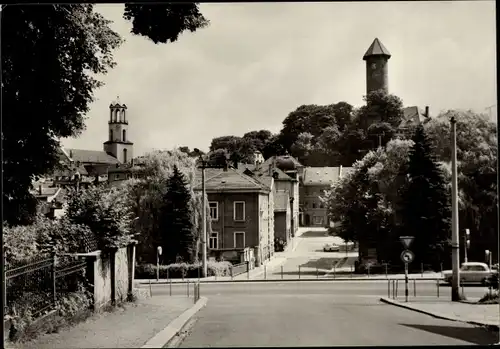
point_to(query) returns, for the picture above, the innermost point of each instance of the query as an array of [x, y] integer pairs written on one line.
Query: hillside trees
[[426, 203], [148, 193]]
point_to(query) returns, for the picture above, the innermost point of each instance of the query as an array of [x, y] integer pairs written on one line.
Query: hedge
[[182, 270]]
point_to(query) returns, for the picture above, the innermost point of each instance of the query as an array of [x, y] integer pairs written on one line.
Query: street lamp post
[[455, 245]]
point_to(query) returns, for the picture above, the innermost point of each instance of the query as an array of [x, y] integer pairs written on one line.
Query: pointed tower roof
[[377, 49]]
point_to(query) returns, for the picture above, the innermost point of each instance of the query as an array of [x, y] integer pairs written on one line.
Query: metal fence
[[37, 285]]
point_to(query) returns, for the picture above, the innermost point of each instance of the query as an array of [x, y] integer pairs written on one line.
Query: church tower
[[118, 144], [377, 59]]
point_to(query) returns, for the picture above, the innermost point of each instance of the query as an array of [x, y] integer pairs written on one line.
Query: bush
[[106, 211], [71, 308], [182, 270], [279, 244]]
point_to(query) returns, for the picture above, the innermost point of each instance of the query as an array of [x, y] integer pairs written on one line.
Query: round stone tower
[[377, 58]]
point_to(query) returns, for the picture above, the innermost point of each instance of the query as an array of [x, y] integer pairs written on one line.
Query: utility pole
[[455, 244]]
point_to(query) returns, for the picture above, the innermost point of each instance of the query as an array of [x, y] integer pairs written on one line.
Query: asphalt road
[[316, 313]]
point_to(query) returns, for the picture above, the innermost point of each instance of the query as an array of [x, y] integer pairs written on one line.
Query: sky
[[257, 62]]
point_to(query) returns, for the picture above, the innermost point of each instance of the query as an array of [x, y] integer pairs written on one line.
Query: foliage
[[182, 270], [162, 23], [477, 149], [177, 236], [279, 244], [147, 195], [106, 211], [69, 46], [425, 210]]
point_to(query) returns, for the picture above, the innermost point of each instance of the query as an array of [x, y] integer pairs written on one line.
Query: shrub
[[182, 270], [106, 211]]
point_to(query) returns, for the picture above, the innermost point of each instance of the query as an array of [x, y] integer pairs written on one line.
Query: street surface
[[326, 312], [316, 313]]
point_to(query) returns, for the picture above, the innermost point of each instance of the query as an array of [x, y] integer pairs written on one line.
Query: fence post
[[248, 270], [281, 272], [393, 289], [299, 271], [414, 288], [265, 272], [54, 290], [388, 288], [397, 284], [437, 284], [150, 289], [170, 286]]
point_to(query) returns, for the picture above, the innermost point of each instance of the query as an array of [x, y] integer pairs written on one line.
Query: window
[[214, 210], [314, 205], [239, 211], [124, 155], [110, 135], [213, 241], [239, 239], [320, 205], [124, 135]]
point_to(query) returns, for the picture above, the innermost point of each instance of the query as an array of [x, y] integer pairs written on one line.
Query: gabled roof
[[280, 175], [266, 180], [91, 156], [281, 201], [413, 116], [376, 49], [231, 180], [323, 175]]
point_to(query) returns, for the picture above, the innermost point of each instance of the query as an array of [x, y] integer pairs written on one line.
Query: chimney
[[426, 111], [340, 171]]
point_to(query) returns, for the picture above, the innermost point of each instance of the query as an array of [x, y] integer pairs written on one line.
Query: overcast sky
[[257, 62]]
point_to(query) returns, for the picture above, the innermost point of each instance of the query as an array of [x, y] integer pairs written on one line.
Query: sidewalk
[[475, 314], [127, 326]]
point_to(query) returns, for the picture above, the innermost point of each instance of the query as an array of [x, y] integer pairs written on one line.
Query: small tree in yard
[[425, 206], [176, 225]]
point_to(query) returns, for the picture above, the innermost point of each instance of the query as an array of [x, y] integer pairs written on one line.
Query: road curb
[[165, 336], [439, 316]]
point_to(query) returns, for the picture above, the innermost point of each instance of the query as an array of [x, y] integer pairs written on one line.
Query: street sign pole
[[406, 282]]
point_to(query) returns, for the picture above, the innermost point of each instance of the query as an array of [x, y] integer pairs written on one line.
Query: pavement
[[475, 314], [131, 325], [306, 313]]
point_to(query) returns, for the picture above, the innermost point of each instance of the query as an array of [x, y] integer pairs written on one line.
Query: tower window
[[124, 135], [118, 116], [124, 155], [110, 135]]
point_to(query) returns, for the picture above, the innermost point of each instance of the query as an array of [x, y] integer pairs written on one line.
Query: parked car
[[331, 248], [471, 272]]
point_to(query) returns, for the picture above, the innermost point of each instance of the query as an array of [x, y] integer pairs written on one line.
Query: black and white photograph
[[249, 174]]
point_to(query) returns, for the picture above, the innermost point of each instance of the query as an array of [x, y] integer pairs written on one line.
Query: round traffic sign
[[407, 256]]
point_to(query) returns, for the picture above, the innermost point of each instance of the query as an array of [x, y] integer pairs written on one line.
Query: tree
[[162, 23], [425, 206], [258, 139], [46, 97], [176, 226], [477, 150]]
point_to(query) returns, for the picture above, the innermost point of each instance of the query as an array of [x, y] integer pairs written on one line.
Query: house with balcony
[[242, 216]]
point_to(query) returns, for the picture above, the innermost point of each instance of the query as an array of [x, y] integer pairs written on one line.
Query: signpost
[[158, 254], [407, 257]]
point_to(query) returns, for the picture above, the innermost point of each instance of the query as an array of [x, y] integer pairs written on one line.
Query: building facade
[[242, 216], [315, 181]]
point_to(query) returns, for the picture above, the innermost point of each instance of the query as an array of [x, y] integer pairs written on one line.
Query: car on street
[[471, 273], [331, 248]]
